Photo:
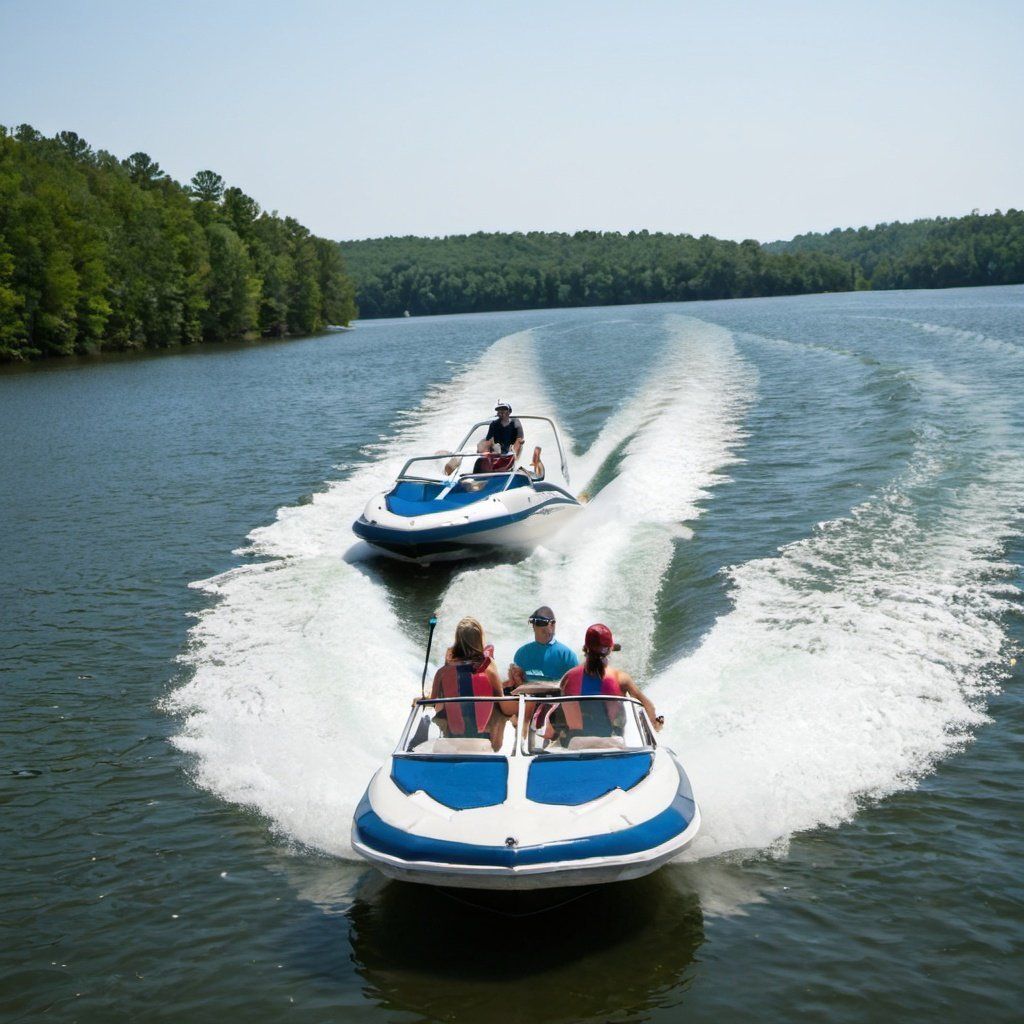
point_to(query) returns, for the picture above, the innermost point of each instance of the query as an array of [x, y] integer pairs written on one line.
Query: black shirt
[[505, 436]]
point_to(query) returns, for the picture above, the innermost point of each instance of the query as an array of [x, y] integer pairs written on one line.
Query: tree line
[[942, 252], [98, 253], [502, 271], [495, 271]]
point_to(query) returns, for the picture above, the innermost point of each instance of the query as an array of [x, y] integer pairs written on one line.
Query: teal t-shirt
[[545, 663]]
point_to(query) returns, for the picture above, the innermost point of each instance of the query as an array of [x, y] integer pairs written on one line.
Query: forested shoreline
[[501, 271], [101, 254], [943, 252]]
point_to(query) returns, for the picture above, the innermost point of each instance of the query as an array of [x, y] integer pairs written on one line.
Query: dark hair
[[596, 664]]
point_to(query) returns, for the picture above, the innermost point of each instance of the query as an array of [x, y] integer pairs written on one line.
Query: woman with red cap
[[595, 678]]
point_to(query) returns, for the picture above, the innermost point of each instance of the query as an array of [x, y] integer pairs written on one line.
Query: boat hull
[[509, 524], [600, 871]]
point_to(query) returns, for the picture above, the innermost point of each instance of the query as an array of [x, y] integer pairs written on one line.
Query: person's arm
[[507, 707], [630, 689], [436, 690], [517, 444], [489, 442]]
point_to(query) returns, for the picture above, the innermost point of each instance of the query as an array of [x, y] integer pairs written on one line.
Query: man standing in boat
[[545, 659]]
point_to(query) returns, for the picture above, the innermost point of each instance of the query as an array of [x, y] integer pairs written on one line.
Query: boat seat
[[597, 743], [462, 745]]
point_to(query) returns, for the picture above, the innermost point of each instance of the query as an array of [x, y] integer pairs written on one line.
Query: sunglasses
[[539, 620]]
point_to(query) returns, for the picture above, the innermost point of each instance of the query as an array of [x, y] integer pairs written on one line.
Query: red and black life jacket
[[495, 463], [591, 717], [460, 680]]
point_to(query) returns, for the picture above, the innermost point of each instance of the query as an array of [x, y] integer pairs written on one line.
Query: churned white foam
[[858, 656], [300, 669], [678, 433], [278, 710]]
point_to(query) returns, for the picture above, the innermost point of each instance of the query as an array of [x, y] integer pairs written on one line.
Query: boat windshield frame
[[521, 747], [456, 477]]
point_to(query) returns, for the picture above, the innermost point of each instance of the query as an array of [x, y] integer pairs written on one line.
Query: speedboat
[[454, 504], [581, 795]]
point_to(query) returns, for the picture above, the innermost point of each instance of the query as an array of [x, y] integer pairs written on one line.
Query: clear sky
[[740, 120]]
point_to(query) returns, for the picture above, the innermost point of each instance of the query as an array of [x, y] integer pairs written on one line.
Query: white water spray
[[679, 431], [856, 658]]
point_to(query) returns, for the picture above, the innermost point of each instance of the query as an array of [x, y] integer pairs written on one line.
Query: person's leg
[[538, 466]]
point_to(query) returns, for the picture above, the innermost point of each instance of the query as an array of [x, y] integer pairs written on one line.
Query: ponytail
[[596, 664]]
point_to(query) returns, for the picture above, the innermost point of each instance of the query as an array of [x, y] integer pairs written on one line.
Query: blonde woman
[[469, 671]]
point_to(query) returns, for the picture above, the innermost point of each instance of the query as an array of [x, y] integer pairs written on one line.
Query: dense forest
[[944, 252], [474, 273], [98, 253]]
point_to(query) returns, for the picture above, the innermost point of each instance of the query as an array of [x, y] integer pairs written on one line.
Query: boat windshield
[[553, 725], [447, 726], [563, 725]]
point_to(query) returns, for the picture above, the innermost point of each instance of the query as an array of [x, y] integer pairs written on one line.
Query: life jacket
[[591, 717], [459, 680], [494, 463]]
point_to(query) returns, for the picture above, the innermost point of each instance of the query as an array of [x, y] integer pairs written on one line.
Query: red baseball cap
[[599, 639]]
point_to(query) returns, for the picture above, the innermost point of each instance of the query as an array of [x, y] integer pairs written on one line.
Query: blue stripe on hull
[[377, 835]]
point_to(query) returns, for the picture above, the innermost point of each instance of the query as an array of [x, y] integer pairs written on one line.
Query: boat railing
[[456, 476], [528, 705]]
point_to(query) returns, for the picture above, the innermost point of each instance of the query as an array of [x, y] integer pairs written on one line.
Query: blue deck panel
[[412, 498], [577, 779], [456, 782]]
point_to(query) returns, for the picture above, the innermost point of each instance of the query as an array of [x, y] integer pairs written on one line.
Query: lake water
[[805, 527]]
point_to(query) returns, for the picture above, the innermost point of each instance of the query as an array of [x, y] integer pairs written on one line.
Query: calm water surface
[[805, 525]]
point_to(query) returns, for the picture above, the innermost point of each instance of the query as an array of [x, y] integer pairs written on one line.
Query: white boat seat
[[462, 745], [597, 743]]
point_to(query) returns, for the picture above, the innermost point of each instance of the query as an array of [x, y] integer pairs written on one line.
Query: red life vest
[[459, 680], [579, 684], [494, 463]]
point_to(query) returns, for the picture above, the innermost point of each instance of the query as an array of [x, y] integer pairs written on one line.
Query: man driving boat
[[545, 659], [504, 434]]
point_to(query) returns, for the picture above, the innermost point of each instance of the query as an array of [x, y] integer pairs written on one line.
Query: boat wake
[[846, 665], [301, 667], [676, 436], [859, 656], [277, 711]]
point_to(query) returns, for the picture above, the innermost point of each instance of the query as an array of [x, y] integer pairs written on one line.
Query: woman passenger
[[595, 678], [469, 671]]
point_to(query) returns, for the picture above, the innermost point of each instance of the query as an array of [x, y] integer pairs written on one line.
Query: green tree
[[142, 169]]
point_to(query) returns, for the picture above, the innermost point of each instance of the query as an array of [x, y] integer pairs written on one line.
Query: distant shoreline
[[503, 271]]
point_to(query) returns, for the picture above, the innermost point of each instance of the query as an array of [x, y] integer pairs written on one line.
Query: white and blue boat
[[457, 504], [554, 807]]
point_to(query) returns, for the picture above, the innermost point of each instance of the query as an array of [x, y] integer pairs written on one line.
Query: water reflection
[[614, 953]]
